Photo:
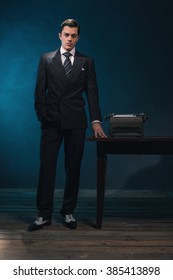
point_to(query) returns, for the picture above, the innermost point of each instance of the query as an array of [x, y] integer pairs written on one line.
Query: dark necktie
[[67, 63]]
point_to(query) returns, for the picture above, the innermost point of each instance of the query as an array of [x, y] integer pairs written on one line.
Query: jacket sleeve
[[92, 93], [40, 90]]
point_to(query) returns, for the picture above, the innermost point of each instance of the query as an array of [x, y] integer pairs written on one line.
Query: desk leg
[[101, 178]]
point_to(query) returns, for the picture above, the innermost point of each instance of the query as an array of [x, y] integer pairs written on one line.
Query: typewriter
[[127, 125]]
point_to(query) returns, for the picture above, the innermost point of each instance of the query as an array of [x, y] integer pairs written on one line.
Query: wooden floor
[[136, 225]]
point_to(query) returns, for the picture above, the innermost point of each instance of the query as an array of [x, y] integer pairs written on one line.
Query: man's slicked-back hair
[[70, 23]]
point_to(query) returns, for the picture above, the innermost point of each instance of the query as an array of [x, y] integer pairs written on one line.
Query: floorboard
[[136, 225]]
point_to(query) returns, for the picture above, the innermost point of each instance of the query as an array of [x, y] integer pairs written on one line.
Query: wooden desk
[[136, 146]]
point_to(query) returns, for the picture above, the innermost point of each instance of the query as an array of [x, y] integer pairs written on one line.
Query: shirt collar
[[62, 50]]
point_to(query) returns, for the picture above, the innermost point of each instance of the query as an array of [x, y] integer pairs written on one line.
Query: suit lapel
[[76, 68], [59, 69]]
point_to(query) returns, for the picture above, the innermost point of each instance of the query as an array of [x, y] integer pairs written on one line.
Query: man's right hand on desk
[[98, 130]]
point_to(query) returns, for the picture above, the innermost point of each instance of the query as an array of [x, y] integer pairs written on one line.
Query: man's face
[[69, 37]]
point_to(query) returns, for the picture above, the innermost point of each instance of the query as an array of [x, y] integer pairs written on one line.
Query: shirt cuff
[[96, 121]]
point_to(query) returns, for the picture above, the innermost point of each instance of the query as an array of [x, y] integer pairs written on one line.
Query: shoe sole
[[35, 227], [69, 225]]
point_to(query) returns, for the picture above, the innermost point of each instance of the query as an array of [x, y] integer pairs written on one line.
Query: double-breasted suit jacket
[[59, 101]]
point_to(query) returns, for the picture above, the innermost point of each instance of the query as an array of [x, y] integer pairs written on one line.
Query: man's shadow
[[156, 177]]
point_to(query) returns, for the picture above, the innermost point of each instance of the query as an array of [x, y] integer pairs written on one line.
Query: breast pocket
[[83, 76]]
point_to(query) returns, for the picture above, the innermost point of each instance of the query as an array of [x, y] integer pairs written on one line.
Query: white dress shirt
[[62, 50]]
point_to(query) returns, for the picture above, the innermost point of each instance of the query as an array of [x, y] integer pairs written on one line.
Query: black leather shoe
[[69, 221], [39, 223]]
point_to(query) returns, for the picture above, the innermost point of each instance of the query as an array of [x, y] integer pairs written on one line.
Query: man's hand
[[97, 130]]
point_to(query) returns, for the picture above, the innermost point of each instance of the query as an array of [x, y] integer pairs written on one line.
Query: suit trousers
[[51, 140]]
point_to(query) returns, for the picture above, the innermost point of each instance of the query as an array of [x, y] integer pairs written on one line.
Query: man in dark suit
[[63, 76]]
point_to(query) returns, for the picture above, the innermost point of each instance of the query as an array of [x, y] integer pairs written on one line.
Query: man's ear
[[59, 35]]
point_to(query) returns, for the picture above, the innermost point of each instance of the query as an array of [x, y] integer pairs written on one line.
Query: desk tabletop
[[133, 139]]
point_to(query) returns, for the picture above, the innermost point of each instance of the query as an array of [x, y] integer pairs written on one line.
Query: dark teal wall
[[132, 45]]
